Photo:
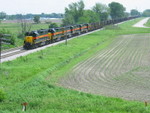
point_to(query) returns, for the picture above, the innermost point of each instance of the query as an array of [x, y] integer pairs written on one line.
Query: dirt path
[[121, 70], [141, 23]]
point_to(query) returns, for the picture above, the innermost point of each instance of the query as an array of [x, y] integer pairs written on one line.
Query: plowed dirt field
[[121, 70]]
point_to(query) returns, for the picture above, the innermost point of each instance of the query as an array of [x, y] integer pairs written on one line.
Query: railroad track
[[11, 54]]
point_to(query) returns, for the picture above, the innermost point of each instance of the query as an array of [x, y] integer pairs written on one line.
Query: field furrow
[[121, 70]]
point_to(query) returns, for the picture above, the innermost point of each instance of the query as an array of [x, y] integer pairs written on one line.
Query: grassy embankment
[[34, 78], [147, 23]]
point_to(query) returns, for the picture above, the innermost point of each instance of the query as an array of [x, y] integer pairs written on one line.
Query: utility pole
[[66, 40]]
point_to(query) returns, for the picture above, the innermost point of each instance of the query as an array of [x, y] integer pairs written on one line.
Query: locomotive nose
[[29, 39], [28, 42]]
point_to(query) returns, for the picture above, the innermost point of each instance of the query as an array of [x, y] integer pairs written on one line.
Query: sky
[[58, 6]]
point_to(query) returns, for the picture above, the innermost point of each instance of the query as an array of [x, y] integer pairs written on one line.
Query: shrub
[[53, 25], [2, 95], [11, 37]]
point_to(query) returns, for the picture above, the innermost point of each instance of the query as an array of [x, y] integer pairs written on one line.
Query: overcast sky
[[58, 6]]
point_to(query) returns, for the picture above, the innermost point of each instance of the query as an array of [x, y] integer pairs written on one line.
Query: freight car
[[42, 37]]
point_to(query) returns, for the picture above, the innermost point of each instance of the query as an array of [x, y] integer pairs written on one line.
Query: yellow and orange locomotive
[[41, 37]]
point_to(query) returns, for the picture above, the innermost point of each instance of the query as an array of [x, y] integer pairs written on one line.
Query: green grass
[[34, 78], [14, 28], [147, 23]]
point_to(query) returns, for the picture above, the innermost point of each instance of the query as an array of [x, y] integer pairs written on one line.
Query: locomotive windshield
[[32, 33], [52, 30]]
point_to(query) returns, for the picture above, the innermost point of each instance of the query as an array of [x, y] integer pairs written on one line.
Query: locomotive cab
[[29, 39]]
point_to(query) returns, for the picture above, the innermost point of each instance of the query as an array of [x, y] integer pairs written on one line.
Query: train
[[43, 37]]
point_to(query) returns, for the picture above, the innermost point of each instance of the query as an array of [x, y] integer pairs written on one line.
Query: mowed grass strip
[[33, 78], [147, 23]]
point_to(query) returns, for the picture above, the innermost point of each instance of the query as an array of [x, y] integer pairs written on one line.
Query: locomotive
[[42, 37]]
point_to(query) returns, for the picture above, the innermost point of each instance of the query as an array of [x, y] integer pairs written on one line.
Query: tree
[[101, 10], [116, 10], [127, 14], [73, 13], [2, 15], [19, 16], [134, 12], [10, 38], [25, 27], [68, 20], [53, 25], [89, 16], [36, 19], [146, 13]]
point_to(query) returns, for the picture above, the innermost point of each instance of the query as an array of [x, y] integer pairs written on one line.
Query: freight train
[[43, 37]]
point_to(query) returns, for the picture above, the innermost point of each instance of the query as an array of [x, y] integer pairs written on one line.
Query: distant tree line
[[76, 13], [3, 15], [146, 13]]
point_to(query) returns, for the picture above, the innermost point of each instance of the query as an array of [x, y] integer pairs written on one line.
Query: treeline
[[146, 13], [3, 15], [76, 13]]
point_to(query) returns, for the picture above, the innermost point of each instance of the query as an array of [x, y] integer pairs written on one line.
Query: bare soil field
[[121, 70]]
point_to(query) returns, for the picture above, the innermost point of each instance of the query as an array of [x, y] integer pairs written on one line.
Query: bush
[[2, 95], [20, 36], [53, 25], [11, 37]]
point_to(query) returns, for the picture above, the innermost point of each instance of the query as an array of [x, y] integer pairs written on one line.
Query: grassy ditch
[[34, 78], [147, 23]]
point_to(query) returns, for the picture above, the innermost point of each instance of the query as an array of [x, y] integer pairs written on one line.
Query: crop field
[[121, 70], [103, 72]]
